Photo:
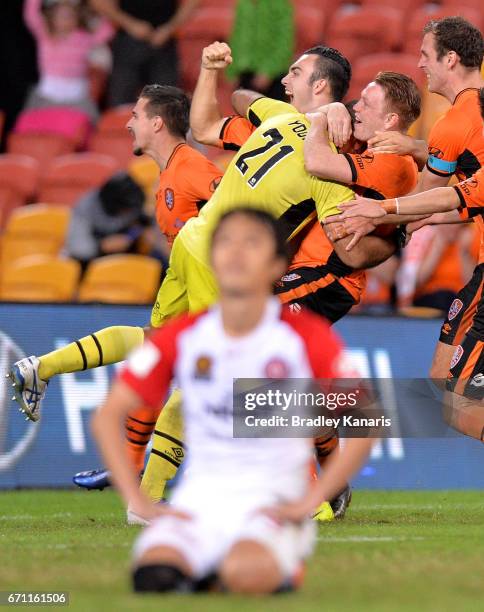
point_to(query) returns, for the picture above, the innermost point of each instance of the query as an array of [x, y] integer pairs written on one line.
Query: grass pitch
[[394, 551]]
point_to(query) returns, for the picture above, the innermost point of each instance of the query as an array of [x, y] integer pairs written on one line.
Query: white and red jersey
[[204, 361]]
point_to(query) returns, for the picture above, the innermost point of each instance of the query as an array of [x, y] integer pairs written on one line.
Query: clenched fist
[[216, 56]]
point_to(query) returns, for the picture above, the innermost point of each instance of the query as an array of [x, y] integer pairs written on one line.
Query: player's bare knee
[[250, 568]]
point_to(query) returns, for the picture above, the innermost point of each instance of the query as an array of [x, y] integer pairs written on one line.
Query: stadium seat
[[40, 279], [71, 123], [21, 174], [403, 5], [42, 147], [367, 67], [9, 200], [310, 21], [123, 279], [365, 30], [39, 220], [419, 18], [70, 176], [114, 120], [119, 146], [37, 229]]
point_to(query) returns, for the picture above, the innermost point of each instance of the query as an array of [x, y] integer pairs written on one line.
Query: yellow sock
[[167, 452], [106, 346]]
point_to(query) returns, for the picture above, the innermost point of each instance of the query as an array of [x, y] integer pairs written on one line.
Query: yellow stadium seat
[[40, 279], [121, 279], [37, 229]]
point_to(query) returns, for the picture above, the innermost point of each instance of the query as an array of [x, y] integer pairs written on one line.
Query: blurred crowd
[[67, 63]]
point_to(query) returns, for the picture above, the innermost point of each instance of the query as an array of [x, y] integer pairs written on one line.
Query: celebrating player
[[466, 413], [240, 516], [451, 56], [317, 278]]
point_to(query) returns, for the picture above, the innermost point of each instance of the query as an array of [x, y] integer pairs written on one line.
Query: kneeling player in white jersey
[[241, 513]]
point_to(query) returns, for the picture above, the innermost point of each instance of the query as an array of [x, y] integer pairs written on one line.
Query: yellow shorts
[[189, 286]]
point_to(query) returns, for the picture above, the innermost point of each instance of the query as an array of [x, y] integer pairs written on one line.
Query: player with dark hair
[[159, 124], [317, 278], [248, 533]]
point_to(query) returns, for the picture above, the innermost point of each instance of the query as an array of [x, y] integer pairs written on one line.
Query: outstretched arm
[[206, 119]]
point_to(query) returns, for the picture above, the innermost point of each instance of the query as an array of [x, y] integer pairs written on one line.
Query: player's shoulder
[[190, 154]]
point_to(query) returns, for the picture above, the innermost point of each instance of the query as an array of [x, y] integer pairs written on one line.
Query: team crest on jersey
[[276, 368], [459, 351], [203, 368], [169, 198], [290, 277], [454, 309]]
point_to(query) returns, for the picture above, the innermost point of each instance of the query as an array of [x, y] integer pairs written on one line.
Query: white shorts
[[206, 538]]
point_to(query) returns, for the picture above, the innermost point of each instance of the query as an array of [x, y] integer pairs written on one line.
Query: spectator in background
[[108, 220], [262, 43], [144, 49], [64, 43]]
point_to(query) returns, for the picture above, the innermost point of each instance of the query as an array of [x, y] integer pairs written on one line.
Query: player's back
[[268, 172]]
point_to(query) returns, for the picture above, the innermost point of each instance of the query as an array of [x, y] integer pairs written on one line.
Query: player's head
[[248, 252], [450, 46], [390, 102], [321, 75], [159, 109]]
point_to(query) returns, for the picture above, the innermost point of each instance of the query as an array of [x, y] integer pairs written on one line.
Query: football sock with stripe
[[326, 446], [139, 427], [167, 452], [106, 346]]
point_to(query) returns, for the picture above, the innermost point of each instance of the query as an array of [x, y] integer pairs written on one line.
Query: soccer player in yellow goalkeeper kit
[[268, 171]]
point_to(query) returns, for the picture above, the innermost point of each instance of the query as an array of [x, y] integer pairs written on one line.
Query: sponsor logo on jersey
[[290, 277], [276, 368], [459, 351], [169, 198], [478, 380], [454, 309], [214, 184], [203, 368]]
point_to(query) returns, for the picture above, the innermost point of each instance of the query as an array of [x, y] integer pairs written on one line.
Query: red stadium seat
[[118, 146], [366, 68], [9, 200], [70, 176], [114, 120], [365, 30], [20, 173], [310, 24], [43, 147], [214, 22], [403, 5], [419, 18]]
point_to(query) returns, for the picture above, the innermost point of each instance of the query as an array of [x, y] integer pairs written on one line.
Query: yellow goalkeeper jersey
[[268, 173]]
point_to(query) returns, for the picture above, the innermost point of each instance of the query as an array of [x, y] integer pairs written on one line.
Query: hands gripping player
[[318, 279], [250, 533]]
